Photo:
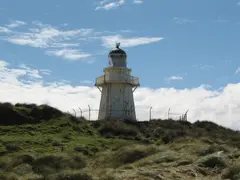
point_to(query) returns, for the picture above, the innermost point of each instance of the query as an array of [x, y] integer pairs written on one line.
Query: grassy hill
[[42, 143]]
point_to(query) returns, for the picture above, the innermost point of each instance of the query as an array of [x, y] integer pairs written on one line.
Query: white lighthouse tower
[[117, 87]]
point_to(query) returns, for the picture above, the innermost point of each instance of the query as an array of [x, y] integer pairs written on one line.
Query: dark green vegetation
[[41, 143]]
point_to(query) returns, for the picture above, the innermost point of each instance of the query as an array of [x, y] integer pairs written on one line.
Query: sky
[[185, 53]]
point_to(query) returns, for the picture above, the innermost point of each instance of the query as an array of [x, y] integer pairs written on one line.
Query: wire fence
[[148, 113]]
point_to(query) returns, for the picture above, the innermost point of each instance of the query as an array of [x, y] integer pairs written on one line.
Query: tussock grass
[[41, 142]]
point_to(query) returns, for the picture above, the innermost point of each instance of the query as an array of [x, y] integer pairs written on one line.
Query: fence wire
[[151, 114]]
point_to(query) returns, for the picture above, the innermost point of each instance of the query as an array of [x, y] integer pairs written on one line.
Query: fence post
[[185, 116], [168, 113], [89, 108], [80, 111], [150, 114], [75, 113]]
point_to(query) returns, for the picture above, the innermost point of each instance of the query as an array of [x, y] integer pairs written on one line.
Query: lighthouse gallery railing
[[104, 79]]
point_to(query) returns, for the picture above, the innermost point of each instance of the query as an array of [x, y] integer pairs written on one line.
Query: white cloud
[[12, 75], [219, 20], [45, 72], [45, 36], [16, 23], [203, 66], [4, 30], [110, 41], [237, 71], [60, 42], [180, 20], [220, 106], [31, 72], [138, 1], [70, 54], [107, 5], [172, 78], [86, 82], [3, 64]]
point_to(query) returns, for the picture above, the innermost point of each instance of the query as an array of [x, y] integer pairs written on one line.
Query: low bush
[[212, 162], [116, 128], [212, 149], [71, 175], [53, 163], [170, 136], [131, 154], [233, 172], [11, 147], [81, 149], [22, 159]]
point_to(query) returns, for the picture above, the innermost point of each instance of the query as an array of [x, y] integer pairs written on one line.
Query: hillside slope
[[41, 142]]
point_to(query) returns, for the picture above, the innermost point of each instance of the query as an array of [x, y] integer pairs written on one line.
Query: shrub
[[2, 149], [185, 162], [57, 143], [212, 162], [29, 106], [23, 169], [169, 136], [81, 149], [11, 117], [71, 175], [12, 147], [5, 163], [116, 128], [23, 159], [158, 132], [67, 136], [233, 172], [6, 104], [212, 149], [131, 154], [8, 176], [52, 163], [45, 112]]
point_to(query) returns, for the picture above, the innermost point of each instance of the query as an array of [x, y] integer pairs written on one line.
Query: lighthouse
[[117, 87]]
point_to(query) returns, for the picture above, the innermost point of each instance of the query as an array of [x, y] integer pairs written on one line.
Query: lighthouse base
[[117, 102]]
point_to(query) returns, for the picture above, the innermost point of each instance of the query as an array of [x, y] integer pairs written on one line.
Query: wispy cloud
[[138, 1], [238, 4], [45, 37], [221, 20], [110, 41], [3, 64], [237, 71], [203, 66], [4, 30], [69, 54], [86, 82], [16, 23], [64, 43], [109, 4], [180, 20], [174, 78], [31, 72], [45, 72], [13, 75]]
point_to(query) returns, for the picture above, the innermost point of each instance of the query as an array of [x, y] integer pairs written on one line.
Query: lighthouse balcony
[[100, 81]]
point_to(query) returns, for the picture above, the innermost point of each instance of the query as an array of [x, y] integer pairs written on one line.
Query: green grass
[[53, 145]]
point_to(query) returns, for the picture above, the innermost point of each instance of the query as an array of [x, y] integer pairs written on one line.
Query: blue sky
[[173, 47], [200, 39]]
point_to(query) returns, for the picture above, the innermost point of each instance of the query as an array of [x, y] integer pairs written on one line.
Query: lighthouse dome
[[117, 57], [117, 50]]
